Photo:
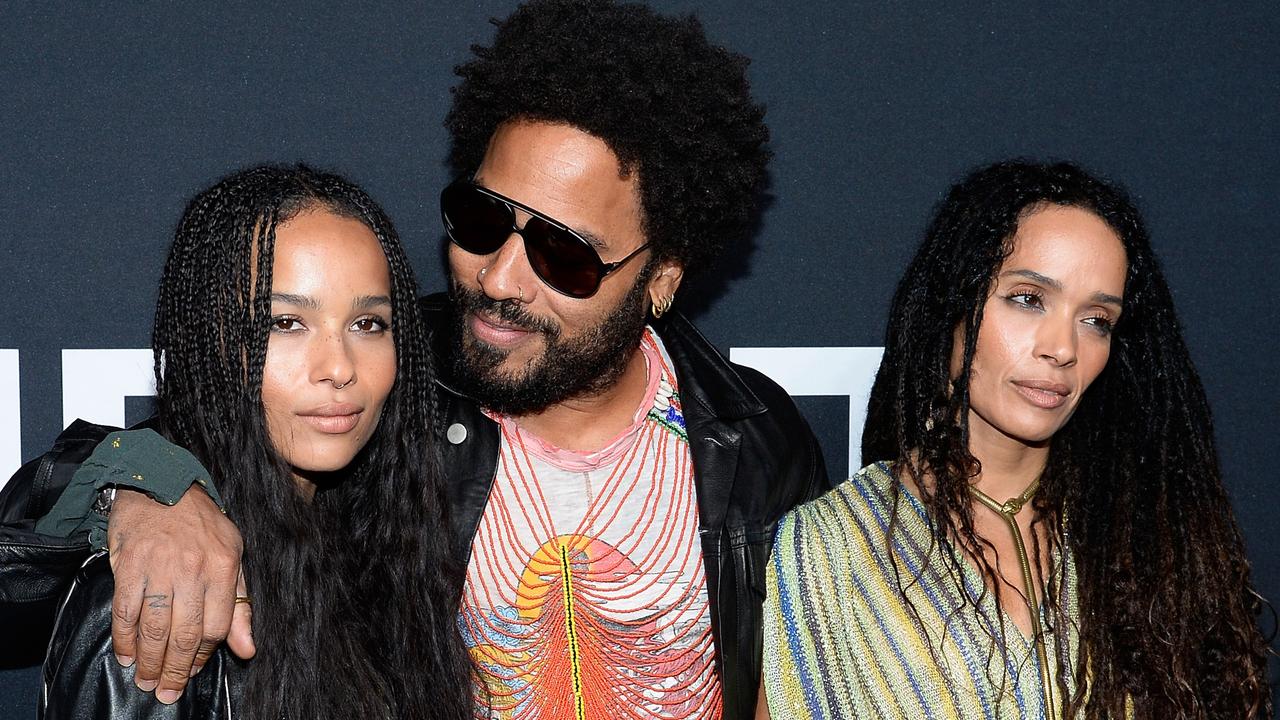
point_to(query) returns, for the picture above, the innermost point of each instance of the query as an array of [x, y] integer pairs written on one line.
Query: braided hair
[[1132, 487], [356, 594]]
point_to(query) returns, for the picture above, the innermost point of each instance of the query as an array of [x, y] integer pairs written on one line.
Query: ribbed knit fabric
[[843, 641]]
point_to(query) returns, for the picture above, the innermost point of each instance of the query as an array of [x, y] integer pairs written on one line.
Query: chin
[[1034, 439], [324, 460], [509, 370], [1034, 431]]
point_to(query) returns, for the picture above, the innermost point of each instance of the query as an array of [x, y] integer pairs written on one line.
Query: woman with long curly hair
[[1041, 529], [290, 360]]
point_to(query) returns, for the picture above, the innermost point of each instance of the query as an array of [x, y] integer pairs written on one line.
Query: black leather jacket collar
[[754, 458]]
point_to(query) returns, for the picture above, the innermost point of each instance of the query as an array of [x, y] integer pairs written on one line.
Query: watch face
[[102, 502]]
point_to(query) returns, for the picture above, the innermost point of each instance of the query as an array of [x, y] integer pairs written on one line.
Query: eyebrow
[[369, 302], [1108, 299], [364, 302], [302, 301], [1098, 297], [592, 239]]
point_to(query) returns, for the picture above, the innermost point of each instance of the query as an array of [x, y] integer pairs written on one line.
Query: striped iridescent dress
[[841, 640]]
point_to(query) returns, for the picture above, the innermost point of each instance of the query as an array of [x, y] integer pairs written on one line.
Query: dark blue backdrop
[[113, 115]]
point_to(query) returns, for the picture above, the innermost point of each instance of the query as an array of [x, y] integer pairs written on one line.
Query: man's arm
[[175, 555]]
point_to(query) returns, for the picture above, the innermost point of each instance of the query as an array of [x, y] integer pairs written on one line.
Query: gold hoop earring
[[660, 308]]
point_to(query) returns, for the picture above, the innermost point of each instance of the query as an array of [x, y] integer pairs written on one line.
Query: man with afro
[[615, 482]]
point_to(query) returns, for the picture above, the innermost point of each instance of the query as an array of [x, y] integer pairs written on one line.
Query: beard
[[567, 368]]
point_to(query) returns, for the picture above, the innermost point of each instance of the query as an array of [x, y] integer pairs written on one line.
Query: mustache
[[511, 311]]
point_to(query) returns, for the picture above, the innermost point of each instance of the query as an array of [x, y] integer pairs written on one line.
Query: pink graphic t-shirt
[[586, 594]]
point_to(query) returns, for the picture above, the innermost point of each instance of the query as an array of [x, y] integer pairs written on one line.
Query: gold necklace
[[1009, 510]]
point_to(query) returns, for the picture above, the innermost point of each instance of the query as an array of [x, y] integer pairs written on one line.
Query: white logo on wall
[[846, 371], [96, 382], [10, 416], [94, 386]]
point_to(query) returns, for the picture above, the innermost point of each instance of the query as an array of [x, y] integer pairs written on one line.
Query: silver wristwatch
[[102, 502]]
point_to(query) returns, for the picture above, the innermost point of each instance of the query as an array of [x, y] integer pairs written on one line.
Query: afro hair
[[675, 109]]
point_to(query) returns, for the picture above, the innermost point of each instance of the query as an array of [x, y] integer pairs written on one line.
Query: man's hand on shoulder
[[177, 574]]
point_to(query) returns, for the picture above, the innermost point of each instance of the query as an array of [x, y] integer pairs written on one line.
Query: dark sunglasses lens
[[564, 261], [476, 222]]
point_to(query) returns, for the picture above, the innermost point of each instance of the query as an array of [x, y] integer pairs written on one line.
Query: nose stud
[[480, 278]]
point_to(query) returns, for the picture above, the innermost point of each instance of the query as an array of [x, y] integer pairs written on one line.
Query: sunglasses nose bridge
[[551, 254], [507, 272], [519, 218]]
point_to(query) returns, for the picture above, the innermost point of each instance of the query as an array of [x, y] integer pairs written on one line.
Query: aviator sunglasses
[[480, 220]]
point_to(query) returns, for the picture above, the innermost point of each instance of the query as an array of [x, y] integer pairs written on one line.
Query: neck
[[588, 423], [1009, 465], [306, 488]]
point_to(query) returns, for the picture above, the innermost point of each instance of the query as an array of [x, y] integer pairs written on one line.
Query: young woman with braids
[[1038, 438], [289, 360]]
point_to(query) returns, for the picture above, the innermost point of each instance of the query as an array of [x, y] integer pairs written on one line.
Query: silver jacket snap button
[[456, 433]]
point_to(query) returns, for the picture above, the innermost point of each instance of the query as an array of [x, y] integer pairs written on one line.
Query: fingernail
[[195, 669], [124, 660], [146, 685], [168, 697]]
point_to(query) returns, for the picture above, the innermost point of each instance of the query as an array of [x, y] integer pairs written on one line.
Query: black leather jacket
[[82, 679], [61, 587], [35, 570], [754, 459]]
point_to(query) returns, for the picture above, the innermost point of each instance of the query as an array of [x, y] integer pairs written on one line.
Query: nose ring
[[337, 386], [480, 275], [521, 292]]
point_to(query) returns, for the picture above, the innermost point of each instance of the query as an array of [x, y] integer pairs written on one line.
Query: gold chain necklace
[[1009, 510]]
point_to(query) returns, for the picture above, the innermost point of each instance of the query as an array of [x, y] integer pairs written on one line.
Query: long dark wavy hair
[[355, 598], [1132, 489]]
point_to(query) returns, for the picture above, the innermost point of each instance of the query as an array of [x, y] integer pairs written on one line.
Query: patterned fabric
[[841, 640], [586, 591]]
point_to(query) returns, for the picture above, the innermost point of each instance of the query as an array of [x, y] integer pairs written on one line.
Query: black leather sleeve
[[34, 573], [36, 486], [35, 569], [82, 679]]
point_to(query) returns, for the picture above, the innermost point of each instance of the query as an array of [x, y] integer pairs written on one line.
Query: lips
[[496, 332], [1044, 394], [333, 418]]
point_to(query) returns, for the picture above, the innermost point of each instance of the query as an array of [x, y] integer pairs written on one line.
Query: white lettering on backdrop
[[96, 382], [10, 416], [847, 371], [94, 386]]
